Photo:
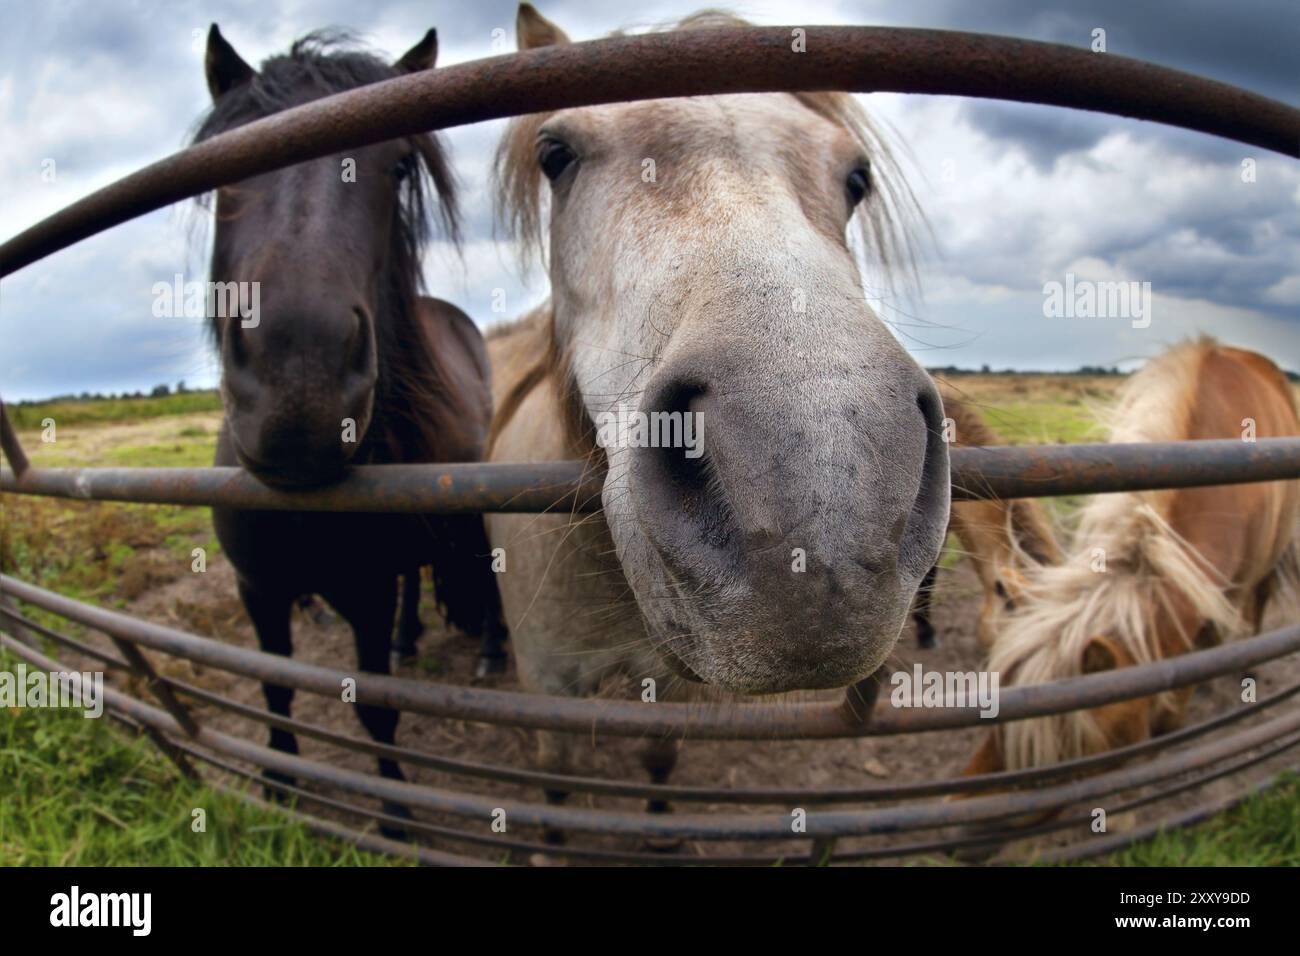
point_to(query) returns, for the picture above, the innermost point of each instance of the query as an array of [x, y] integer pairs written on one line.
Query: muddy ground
[[206, 604]]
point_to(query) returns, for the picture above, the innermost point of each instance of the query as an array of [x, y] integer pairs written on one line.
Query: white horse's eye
[[858, 184], [554, 157], [405, 166]]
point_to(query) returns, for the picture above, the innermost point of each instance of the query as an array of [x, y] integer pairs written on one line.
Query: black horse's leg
[[921, 610], [369, 606], [492, 652], [659, 758], [409, 627], [269, 613], [554, 755]]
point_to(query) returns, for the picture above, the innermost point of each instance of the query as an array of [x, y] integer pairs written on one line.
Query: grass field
[[86, 792], [77, 792]]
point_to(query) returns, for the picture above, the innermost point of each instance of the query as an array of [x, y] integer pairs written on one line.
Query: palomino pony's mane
[[882, 221], [410, 393], [1149, 569]]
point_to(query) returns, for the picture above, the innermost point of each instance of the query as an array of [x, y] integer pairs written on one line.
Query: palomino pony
[[345, 364], [1181, 567], [1003, 539], [700, 272]]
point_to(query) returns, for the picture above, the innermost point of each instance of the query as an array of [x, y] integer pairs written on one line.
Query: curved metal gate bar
[[801, 796], [722, 826], [983, 837], [635, 719], [683, 63], [1029, 471]]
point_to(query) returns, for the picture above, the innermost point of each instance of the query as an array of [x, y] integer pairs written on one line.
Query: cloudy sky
[[1016, 196]]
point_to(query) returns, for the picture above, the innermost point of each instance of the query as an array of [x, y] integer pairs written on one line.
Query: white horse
[[700, 269]]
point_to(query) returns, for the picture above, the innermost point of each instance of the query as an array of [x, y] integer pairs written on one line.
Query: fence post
[[9, 444], [823, 848], [16, 627], [141, 667]]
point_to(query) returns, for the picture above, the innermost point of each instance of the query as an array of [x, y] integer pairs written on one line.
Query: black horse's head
[[315, 267]]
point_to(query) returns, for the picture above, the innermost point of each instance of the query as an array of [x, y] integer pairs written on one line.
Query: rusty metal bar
[[141, 667], [985, 838], [1027, 471], [829, 826], [711, 826], [423, 489], [491, 841], [634, 719], [998, 837], [19, 621], [676, 792], [10, 445], [20, 626], [1036, 471], [681, 63], [370, 842], [991, 837]]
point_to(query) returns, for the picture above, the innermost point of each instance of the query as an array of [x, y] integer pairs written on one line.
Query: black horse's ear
[[422, 56], [226, 69]]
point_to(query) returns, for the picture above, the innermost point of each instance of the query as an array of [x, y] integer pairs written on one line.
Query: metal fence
[[843, 824]]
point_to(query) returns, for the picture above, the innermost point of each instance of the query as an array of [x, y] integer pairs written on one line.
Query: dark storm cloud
[[1250, 45], [1045, 134], [1247, 44]]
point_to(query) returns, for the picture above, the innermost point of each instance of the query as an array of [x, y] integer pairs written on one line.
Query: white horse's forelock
[[888, 226]]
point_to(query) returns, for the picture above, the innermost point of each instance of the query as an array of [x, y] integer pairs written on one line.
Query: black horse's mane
[[319, 64]]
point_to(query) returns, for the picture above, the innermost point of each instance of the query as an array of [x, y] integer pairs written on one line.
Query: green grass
[[179, 454], [109, 552], [72, 412], [1262, 831], [78, 792], [1029, 422]]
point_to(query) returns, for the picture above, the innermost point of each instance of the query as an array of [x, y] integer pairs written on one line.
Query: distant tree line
[[1082, 370], [158, 391], [1091, 370]]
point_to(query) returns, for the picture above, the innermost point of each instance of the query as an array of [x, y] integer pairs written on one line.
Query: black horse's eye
[[858, 185], [554, 157]]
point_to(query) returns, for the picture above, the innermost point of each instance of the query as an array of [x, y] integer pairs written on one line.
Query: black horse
[[343, 363]]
